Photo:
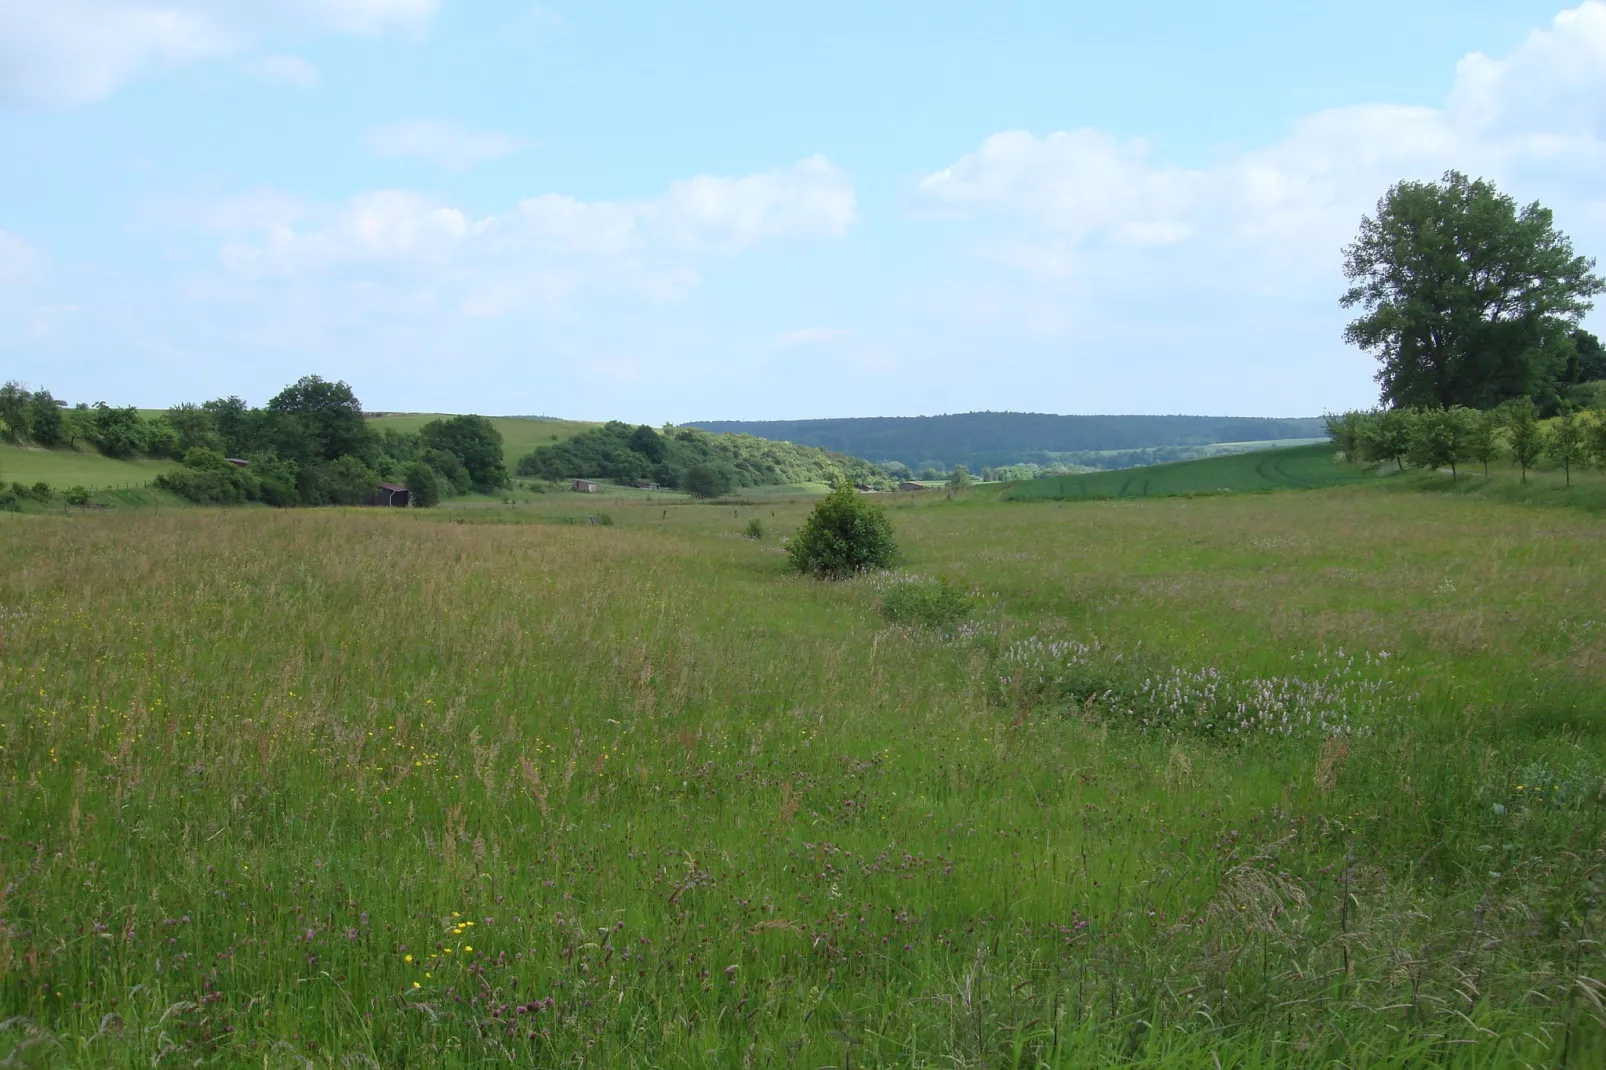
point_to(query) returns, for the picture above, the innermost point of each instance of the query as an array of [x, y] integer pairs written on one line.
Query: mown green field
[[519, 436], [63, 468], [1294, 467], [1261, 780]]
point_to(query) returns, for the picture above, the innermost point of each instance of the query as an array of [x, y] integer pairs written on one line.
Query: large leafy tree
[[45, 422], [476, 442], [329, 414], [1467, 298], [15, 408]]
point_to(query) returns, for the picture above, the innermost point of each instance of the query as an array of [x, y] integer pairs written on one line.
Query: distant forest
[[981, 440]]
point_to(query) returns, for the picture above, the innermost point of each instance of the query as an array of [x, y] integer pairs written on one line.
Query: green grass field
[[1249, 780], [1296, 467], [65, 468], [519, 436]]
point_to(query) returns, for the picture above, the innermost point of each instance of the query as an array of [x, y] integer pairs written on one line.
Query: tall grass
[[367, 788]]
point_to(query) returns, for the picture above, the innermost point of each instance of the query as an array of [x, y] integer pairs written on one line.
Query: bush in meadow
[[926, 603], [843, 536]]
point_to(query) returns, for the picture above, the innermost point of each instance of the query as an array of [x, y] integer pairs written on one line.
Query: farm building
[[585, 486], [642, 484], [392, 494], [908, 485]]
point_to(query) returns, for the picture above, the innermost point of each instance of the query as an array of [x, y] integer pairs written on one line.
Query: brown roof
[[392, 487]]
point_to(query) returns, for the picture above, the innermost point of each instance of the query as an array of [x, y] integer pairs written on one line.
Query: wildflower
[[407, 958], [417, 985], [468, 947]]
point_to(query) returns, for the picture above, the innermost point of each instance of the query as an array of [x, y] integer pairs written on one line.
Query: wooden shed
[[393, 494], [585, 486]]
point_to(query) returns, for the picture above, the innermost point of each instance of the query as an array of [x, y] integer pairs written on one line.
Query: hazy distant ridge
[[980, 439]]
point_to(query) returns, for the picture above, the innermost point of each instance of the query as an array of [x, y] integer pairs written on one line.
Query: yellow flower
[[407, 958], [467, 947], [417, 985]]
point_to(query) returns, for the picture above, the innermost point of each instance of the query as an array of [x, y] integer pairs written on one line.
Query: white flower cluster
[[1336, 693]]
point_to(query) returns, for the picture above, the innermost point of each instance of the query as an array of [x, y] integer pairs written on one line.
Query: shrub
[[423, 484], [76, 496], [350, 482], [42, 491], [844, 535], [205, 486], [754, 529], [707, 480], [926, 603]]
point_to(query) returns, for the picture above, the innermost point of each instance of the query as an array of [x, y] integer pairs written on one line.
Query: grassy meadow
[[85, 467], [1309, 779]]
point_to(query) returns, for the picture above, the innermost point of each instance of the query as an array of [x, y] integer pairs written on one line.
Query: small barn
[[392, 494], [643, 484], [910, 485], [586, 486]]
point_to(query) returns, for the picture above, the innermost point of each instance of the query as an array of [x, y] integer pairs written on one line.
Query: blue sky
[[730, 210]]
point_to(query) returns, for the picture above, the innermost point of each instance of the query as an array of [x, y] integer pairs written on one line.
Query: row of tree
[[310, 445], [696, 461], [1439, 438]]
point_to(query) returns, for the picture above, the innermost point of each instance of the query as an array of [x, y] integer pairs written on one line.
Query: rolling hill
[[520, 434], [986, 439]]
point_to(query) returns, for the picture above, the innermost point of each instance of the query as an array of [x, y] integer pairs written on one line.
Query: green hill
[[520, 434], [75, 467], [1293, 468], [990, 439]]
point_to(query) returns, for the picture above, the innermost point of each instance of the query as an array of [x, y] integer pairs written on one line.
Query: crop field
[[1265, 780], [1295, 467], [66, 468]]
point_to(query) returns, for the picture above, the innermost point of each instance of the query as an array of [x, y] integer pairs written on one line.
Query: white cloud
[[1100, 259], [291, 71], [441, 142], [62, 53], [546, 248], [1535, 120]]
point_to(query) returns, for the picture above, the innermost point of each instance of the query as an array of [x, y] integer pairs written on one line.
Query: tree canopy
[[475, 442], [624, 453], [1467, 299]]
